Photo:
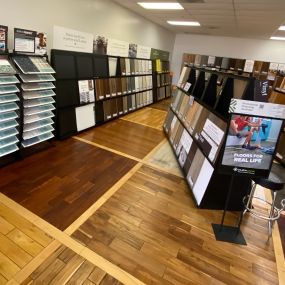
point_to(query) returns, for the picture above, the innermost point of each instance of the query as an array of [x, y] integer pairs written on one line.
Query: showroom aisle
[[110, 206]]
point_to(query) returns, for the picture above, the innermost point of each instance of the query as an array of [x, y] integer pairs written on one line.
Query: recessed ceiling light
[[278, 38], [161, 6], [281, 28], [183, 23]]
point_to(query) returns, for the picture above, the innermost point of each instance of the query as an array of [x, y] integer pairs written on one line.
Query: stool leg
[[250, 197], [271, 214]]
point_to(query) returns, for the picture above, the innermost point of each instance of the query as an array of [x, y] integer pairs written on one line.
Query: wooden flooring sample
[[62, 182], [124, 136], [151, 228]]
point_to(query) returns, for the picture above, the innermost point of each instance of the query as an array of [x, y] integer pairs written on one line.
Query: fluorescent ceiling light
[[281, 28], [278, 38], [162, 6], [183, 23]]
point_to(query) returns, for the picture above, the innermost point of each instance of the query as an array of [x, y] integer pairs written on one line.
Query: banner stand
[[229, 233]]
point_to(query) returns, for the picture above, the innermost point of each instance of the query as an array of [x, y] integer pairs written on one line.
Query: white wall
[[99, 17], [266, 50]]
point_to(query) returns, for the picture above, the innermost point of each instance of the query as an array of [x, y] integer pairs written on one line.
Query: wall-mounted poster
[[117, 48], [3, 38], [133, 48], [24, 40], [252, 137], [100, 45], [41, 43], [143, 52]]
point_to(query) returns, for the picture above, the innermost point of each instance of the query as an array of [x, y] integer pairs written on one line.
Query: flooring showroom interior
[[95, 210]]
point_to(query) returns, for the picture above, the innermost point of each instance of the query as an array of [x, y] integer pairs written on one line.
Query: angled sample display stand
[[196, 125]]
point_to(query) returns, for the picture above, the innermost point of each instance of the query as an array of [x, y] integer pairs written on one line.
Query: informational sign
[[211, 60], [252, 137], [72, 40], [117, 48], [143, 52], [3, 38], [261, 89], [86, 91], [133, 49], [159, 54], [24, 40]]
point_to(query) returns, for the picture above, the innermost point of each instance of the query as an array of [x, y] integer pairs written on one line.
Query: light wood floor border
[[146, 125], [149, 107], [277, 244], [66, 240]]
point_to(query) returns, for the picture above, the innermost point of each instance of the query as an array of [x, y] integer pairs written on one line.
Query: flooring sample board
[[195, 168], [239, 88], [113, 88], [85, 117], [197, 60], [125, 104], [6, 67], [120, 105], [112, 66], [132, 66], [7, 116], [9, 98], [107, 110], [130, 106], [119, 86], [106, 88], [168, 120], [33, 78], [225, 63], [183, 147], [37, 86], [124, 85], [6, 89], [8, 79], [86, 91], [100, 89], [202, 181], [114, 109], [190, 157], [8, 107], [201, 122], [134, 103], [123, 66], [174, 127], [38, 132], [38, 117], [128, 66]]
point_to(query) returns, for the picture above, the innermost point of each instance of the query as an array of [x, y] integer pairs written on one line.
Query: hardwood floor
[[281, 224], [147, 116], [64, 266], [151, 228], [127, 137], [20, 242], [59, 184], [123, 214], [161, 105]]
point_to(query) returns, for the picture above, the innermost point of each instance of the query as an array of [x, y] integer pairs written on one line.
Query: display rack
[[9, 109], [195, 126], [37, 99], [92, 88], [161, 80]]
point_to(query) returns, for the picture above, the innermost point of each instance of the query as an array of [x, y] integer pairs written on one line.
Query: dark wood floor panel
[[151, 228], [66, 267], [59, 184], [124, 136]]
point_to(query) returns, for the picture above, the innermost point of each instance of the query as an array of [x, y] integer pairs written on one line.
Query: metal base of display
[[228, 234]]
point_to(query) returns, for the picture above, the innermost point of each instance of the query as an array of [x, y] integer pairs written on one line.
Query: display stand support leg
[[228, 233]]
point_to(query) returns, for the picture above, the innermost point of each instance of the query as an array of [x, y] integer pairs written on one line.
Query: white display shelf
[[8, 116], [8, 141], [38, 110], [37, 86], [7, 150], [35, 133], [8, 133], [37, 94], [29, 78], [38, 117], [37, 139], [37, 125], [8, 125], [8, 107], [38, 102], [9, 98]]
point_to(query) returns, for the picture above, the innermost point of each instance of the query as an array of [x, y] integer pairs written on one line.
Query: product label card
[[24, 40]]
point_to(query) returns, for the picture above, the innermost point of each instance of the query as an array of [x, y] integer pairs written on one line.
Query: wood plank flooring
[[150, 117], [151, 228], [127, 137], [64, 266], [161, 105], [20, 242], [123, 214], [59, 184]]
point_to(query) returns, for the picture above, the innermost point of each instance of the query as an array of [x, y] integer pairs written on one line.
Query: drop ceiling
[[236, 18]]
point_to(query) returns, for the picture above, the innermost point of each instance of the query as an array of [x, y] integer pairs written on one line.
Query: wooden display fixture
[[112, 86], [196, 125]]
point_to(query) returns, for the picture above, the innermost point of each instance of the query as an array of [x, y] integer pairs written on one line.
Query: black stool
[[274, 184]]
